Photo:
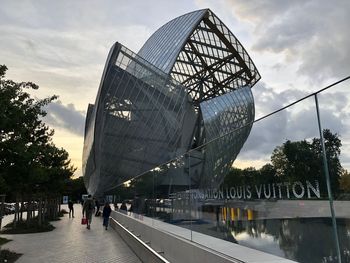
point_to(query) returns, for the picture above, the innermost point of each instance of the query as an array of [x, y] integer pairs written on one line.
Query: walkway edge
[[140, 248]]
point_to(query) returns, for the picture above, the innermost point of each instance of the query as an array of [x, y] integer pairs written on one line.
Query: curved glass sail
[[233, 111], [189, 84], [139, 122]]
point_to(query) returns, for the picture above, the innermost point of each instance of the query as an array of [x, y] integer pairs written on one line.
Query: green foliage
[[146, 186], [8, 256], [5, 254], [303, 160], [29, 161], [74, 188], [24, 227], [344, 181], [4, 240], [298, 161]]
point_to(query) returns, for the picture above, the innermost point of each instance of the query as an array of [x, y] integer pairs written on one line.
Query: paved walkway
[[72, 242]]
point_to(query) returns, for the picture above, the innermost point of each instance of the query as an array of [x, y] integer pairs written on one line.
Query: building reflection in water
[[308, 240], [305, 240]]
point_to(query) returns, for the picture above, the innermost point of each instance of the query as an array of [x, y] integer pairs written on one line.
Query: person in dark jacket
[[88, 209], [98, 213], [123, 208], [71, 209], [106, 213]]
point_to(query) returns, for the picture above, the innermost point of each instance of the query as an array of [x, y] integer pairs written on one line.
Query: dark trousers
[[71, 212], [105, 221]]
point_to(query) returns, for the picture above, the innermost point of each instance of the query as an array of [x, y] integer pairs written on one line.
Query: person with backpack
[[88, 209]]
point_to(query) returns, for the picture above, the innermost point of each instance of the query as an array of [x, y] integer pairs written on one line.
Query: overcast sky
[[298, 47]]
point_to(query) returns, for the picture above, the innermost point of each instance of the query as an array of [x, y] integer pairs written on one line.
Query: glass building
[[189, 84], [167, 125]]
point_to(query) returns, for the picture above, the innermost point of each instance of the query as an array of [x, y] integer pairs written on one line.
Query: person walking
[[123, 208], [71, 209], [106, 213], [88, 209], [97, 203]]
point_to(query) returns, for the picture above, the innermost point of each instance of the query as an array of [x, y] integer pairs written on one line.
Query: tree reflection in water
[[308, 240]]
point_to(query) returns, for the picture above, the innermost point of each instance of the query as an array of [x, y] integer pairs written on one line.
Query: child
[[106, 213]]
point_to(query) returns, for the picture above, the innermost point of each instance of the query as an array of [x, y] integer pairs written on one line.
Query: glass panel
[[172, 197], [137, 123], [132, 197], [274, 197], [334, 108]]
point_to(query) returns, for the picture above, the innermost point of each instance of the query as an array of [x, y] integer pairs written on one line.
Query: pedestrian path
[[72, 242]]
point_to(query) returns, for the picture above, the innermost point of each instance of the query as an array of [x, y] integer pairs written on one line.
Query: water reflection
[[264, 242], [262, 225], [306, 240]]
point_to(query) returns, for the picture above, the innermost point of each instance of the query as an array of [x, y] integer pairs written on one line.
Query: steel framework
[[189, 84]]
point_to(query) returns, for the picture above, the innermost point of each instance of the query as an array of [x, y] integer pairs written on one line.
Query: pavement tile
[[72, 242]]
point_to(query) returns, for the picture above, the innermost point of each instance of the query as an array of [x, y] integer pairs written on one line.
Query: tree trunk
[[29, 204], [59, 204], [49, 210], [40, 212], [45, 209], [16, 213], [55, 208], [22, 209]]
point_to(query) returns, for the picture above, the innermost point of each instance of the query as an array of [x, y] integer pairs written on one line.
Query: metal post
[[326, 172], [153, 199], [189, 188]]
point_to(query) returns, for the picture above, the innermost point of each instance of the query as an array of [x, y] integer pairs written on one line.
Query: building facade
[[189, 85]]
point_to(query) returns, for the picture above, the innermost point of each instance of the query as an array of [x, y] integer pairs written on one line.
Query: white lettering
[[301, 187], [221, 194], [315, 190], [249, 192], [267, 196], [239, 192], [279, 190], [258, 192], [287, 186], [232, 192]]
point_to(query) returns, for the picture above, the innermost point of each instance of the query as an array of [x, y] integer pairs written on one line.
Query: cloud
[[65, 116], [63, 45], [311, 33], [296, 123]]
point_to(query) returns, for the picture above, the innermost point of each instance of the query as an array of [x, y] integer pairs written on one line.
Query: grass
[[24, 228], [7, 255], [4, 240], [32, 227]]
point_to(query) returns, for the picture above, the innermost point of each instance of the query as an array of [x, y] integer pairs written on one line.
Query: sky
[[298, 47]]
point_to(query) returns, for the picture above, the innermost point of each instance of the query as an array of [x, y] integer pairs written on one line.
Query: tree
[[332, 144], [74, 188], [234, 178], [267, 175], [303, 160], [29, 161], [294, 161], [344, 181]]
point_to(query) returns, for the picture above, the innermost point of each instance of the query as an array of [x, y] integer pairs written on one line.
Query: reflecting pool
[[305, 240]]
